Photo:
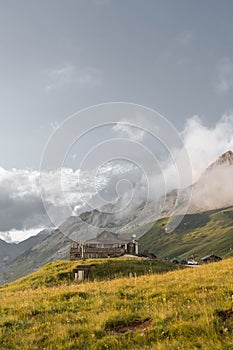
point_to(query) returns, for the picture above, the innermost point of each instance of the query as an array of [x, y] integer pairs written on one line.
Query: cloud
[[70, 74], [6, 237], [214, 189], [21, 207], [202, 143], [20, 235], [60, 77], [20, 203], [132, 132], [205, 144], [186, 38], [224, 82]]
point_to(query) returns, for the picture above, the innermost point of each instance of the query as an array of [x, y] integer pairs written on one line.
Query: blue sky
[[60, 56]]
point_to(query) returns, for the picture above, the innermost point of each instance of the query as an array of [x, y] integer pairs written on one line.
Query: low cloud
[[20, 203], [6, 236], [205, 144], [21, 206], [214, 189]]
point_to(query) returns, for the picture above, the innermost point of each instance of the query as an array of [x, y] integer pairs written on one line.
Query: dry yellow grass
[[182, 308]]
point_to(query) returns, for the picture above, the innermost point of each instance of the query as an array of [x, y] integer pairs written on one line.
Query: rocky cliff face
[[225, 159]]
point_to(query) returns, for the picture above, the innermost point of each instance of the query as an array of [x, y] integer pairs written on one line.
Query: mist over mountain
[[119, 184], [214, 189], [225, 159]]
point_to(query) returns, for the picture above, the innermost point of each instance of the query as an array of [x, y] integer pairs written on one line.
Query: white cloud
[[60, 77], [224, 81], [6, 236], [21, 235], [20, 203], [21, 207], [132, 132], [204, 145], [70, 74]]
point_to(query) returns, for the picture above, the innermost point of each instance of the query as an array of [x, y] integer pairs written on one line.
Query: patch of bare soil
[[225, 321], [133, 326]]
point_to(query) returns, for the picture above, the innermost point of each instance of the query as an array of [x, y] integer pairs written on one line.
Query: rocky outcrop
[[225, 159]]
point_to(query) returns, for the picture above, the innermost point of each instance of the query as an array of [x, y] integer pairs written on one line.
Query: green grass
[[180, 309], [60, 272], [198, 234]]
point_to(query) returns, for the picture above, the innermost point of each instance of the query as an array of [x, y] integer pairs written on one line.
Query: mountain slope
[[199, 234], [225, 159], [213, 190], [10, 251], [188, 309], [32, 241], [54, 246]]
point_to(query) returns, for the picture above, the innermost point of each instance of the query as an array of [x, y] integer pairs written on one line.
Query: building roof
[[108, 237], [209, 256]]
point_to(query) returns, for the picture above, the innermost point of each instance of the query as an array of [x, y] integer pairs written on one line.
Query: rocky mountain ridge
[[213, 190]]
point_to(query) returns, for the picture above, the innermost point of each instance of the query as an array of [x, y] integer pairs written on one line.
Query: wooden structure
[[149, 255], [81, 272], [211, 258], [106, 244]]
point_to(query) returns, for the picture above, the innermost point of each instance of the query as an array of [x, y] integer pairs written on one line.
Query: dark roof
[[83, 267], [210, 256], [107, 237]]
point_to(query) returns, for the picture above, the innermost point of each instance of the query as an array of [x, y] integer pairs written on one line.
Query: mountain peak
[[225, 159]]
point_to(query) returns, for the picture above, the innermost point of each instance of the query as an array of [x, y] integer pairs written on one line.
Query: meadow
[[198, 234], [185, 309]]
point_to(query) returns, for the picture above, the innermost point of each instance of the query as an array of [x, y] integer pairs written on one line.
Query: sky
[[60, 56]]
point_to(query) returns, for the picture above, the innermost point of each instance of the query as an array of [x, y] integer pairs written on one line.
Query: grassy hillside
[[199, 234], [60, 272], [186, 309]]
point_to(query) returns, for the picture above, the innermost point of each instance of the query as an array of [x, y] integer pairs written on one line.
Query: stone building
[[106, 244]]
